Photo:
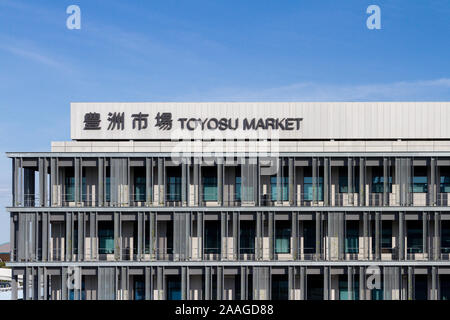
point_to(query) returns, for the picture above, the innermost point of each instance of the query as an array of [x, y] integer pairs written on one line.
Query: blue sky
[[208, 51]]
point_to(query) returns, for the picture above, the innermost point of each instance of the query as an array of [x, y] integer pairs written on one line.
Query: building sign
[[151, 122], [260, 120]]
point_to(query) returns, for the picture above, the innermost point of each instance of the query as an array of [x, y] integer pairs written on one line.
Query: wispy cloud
[[423, 90], [32, 54]]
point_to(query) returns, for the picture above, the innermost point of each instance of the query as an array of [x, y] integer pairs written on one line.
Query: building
[[4, 252], [237, 201]]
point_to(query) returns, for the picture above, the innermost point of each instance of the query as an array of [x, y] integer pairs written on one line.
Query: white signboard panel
[[256, 120]]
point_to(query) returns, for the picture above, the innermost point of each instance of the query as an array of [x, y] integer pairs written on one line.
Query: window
[[82, 291], [444, 285], [378, 180], [377, 294], [173, 184], [386, 236], [139, 184], [283, 237], [308, 186], [280, 288], [212, 237], [108, 185], [139, 288], [343, 288], [343, 180], [173, 288], [238, 189], [414, 236], [106, 237], [169, 236], [209, 182], [445, 236], [284, 188], [445, 180], [420, 180], [75, 238], [247, 237], [69, 185], [314, 287], [352, 237], [309, 236], [420, 287]]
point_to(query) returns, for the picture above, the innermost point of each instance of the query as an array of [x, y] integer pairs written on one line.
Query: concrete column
[[271, 230], [140, 230], [15, 182], [326, 181], [148, 288], [291, 174], [385, 182], [279, 174], [117, 236], [302, 283], [362, 182], [64, 283], [350, 283], [314, 179], [183, 283], [184, 184], [223, 246], [93, 234], [42, 182], [68, 236], [401, 236], [437, 236], [433, 185], [318, 234], [410, 283], [149, 181], [366, 235], [101, 180], [200, 234], [13, 286], [362, 284], [258, 182], [80, 236], [77, 180], [236, 235], [434, 283], [244, 283], [424, 232], [220, 177], [350, 180], [259, 253], [377, 235], [294, 219], [12, 237], [219, 273], [45, 235], [291, 283], [326, 283], [207, 283], [152, 234], [409, 169], [160, 181], [200, 188], [53, 193], [196, 184]]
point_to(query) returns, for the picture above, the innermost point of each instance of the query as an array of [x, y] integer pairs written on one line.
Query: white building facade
[[300, 201]]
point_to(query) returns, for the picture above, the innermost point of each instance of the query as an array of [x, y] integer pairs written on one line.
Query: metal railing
[[235, 200]]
